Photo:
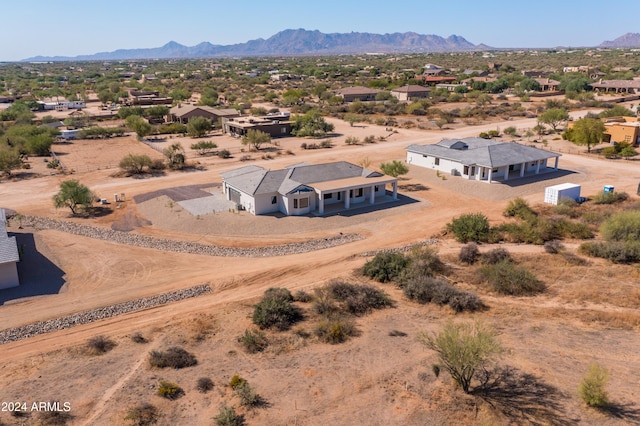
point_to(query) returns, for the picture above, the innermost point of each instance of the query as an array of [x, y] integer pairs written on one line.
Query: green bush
[[174, 357], [423, 261], [302, 296], [236, 381], [519, 208], [609, 197], [224, 153], [507, 278], [385, 267], [615, 251], [253, 341], [247, 395], [227, 416], [335, 331], [358, 299], [622, 226], [142, 415], [169, 390], [470, 227], [592, 388], [276, 310]]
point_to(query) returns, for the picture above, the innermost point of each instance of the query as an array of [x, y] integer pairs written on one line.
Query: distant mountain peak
[[626, 40]]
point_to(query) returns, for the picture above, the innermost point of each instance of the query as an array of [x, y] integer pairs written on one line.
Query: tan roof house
[[183, 113], [622, 129], [357, 93], [411, 91], [618, 86]]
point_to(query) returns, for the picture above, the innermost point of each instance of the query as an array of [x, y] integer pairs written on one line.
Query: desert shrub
[[567, 207], [358, 299], [505, 277], [615, 251], [53, 418], [609, 197], [463, 349], [157, 165], [324, 303], [224, 153], [386, 266], [553, 247], [334, 331], [138, 338], [276, 310], [496, 255], [574, 260], [370, 139], [169, 390], [592, 388], [465, 301], [423, 289], [622, 226], [519, 208], [142, 415], [423, 261], [302, 296], [236, 381], [247, 395], [326, 144], [253, 341], [174, 357], [99, 345], [469, 253], [470, 227], [397, 333], [227, 416], [204, 384], [352, 140]]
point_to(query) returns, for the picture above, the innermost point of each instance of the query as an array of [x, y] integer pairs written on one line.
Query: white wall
[[445, 166], [8, 275], [262, 203]]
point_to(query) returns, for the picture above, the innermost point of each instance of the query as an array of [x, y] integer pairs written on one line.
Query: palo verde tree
[[553, 117], [204, 147], [255, 138], [9, 160], [73, 195], [586, 131], [139, 125], [197, 127], [310, 124], [463, 348], [176, 157], [394, 168], [135, 164]]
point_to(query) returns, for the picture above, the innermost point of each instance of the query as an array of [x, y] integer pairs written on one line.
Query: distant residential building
[[61, 105], [357, 93], [617, 86], [411, 91], [9, 256], [622, 129], [450, 86], [276, 125], [183, 113], [548, 84], [435, 79]]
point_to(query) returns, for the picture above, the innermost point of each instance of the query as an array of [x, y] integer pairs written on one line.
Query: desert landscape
[[381, 376]]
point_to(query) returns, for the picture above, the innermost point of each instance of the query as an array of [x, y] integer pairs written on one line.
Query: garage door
[[234, 195]]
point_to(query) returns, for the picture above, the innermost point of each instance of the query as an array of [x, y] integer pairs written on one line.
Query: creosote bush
[[334, 331], [609, 197], [385, 267], [470, 227], [592, 388], [174, 357], [302, 296], [358, 299], [247, 395], [99, 345], [253, 341], [169, 390], [505, 277], [142, 415], [236, 381], [227, 416], [276, 310], [138, 338]]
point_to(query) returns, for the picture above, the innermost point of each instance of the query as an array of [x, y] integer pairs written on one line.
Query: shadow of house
[[38, 275]]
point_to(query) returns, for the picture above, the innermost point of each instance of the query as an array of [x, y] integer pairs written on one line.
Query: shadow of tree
[[626, 412], [522, 397]]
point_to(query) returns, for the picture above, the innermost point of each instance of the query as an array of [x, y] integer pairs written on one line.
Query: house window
[[375, 188], [466, 170], [627, 138], [359, 192], [339, 196], [328, 196], [304, 203], [436, 161], [494, 171], [284, 130], [274, 200]]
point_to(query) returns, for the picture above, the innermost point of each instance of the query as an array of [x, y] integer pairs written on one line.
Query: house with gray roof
[[482, 159], [9, 256], [303, 189]]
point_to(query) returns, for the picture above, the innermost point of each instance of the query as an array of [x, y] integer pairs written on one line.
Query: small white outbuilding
[[554, 194]]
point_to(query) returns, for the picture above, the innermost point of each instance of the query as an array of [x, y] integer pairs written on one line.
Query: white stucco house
[[482, 159], [9, 256], [303, 189]]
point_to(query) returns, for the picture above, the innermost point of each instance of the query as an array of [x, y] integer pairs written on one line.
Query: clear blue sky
[[75, 27]]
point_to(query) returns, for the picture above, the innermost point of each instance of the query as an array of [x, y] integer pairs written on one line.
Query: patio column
[[523, 167], [490, 174], [538, 167], [372, 200], [556, 165], [395, 190], [347, 199], [320, 203], [506, 173]]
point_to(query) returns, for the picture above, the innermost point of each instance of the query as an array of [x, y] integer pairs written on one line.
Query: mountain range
[[290, 43], [294, 42]]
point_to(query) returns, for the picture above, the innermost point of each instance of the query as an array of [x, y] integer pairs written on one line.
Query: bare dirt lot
[[372, 379]]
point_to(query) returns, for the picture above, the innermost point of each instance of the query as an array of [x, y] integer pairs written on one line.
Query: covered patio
[[342, 194]]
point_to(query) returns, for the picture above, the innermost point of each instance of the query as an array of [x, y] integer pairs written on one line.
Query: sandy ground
[[373, 379]]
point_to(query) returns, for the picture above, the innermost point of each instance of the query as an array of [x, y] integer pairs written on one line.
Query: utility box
[[553, 194], [608, 188]]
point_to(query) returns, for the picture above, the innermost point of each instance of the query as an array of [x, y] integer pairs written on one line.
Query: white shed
[[553, 194]]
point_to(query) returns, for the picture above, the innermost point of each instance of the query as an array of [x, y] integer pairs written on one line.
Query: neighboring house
[[276, 125], [183, 113], [618, 86], [409, 92], [68, 134], [548, 84], [481, 159], [357, 93], [622, 129], [9, 256], [146, 97], [451, 87], [435, 79], [432, 70], [303, 189], [479, 73]]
